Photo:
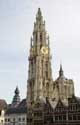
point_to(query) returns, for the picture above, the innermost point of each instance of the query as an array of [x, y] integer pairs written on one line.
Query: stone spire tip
[[39, 14], [61, 70]]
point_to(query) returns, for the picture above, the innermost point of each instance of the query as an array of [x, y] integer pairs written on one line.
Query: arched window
[[40, 37], [36, 36], [46, 67], [47, 88]]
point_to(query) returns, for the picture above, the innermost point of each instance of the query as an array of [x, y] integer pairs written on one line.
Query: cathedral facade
[[49, 102]]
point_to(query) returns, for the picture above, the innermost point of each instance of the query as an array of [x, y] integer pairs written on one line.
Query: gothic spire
[[39, 15], [61, 71], [39, 62]]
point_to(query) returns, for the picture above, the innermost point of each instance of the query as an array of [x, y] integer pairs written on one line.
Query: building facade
[[15, 113], [49, 102], [3, 107]]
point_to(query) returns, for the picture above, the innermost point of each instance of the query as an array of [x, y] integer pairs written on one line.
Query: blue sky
[[16, 25]]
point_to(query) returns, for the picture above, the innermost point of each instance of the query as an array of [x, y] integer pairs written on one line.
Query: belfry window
[[36, 36], [46, 67], [46, 73], [40, 37]]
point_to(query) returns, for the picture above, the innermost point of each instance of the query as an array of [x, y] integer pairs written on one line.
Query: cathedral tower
[[39, 84], [48, 101]]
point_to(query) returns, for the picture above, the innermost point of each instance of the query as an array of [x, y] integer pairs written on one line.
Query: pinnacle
[[17, 90], [39, 14], [61, 70]]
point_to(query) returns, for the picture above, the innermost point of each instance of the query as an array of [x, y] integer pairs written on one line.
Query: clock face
[[44, 50]]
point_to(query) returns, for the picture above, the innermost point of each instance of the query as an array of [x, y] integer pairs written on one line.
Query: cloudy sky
[[16, 25]]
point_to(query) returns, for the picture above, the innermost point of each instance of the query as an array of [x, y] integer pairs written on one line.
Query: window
[[40, 37], [36, 36], [56, 118], [8, 120], [64, 117], [74, 117], [19, 119], [13, 119], [70, 108], [46, 74], [70, 117], [78, 117], [60, 118], [46, 65], [23, 119], [1, 121], [5, 119]]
